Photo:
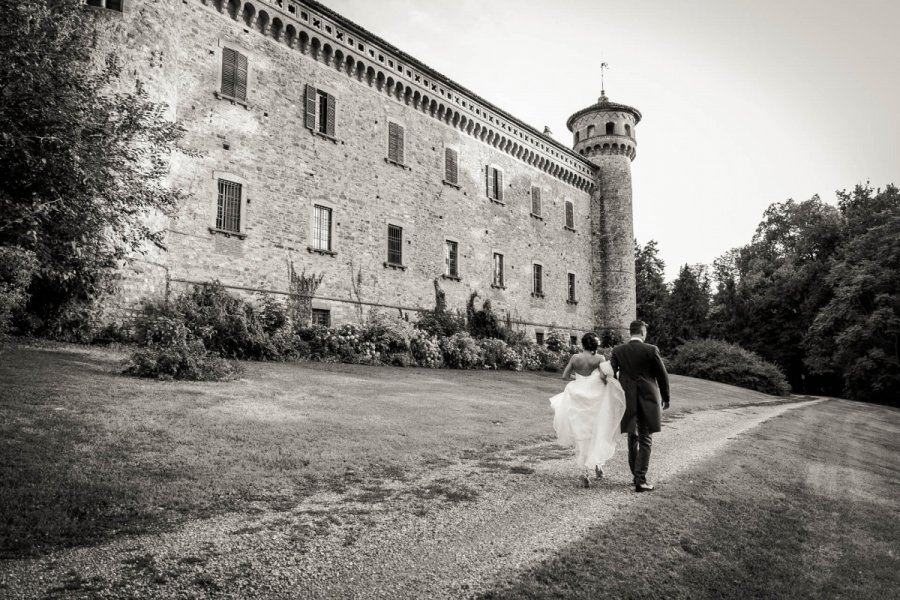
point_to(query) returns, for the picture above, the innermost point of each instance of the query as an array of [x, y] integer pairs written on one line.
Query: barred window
[[451, 258], [395, 142], [538, 278], [451, 166], [498, 269], [570, 214], [228, 207], [539, 337], [321, 316], [571, 290], [234, 74], [320, 111], [321, 228], [536, 206], [395, 245], [494, 183]]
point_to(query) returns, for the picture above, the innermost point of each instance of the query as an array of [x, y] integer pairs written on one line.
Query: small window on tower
[[610, 128], [627, 129]]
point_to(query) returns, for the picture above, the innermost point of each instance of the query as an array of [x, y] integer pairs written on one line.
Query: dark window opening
[[321, 317], [571, 287], [451, 258], [610, 128], [539, 337], [498, 269], [395, 245], [228, 207], [538, 285]]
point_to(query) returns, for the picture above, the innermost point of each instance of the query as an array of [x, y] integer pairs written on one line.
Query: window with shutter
[[234, 74], [395, 143], [570, 214], [310, 120], [395, 245], [538, 280], [451, 259], [329, 116], [451, 166], [536, 201], [228, 206], [498, 270], [494, 183]]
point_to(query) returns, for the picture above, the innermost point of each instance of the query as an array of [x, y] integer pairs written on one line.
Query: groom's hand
[[665, 406]]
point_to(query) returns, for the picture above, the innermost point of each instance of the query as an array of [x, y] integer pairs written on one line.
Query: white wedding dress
[[588, 414]]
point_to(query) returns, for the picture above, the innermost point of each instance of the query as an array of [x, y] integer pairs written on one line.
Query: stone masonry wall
[[288, 169]]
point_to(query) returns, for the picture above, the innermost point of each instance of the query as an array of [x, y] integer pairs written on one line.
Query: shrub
[[556, 342], [729, 363], [172, 352], [227, 325], [16, 269], [461, 351], [272, 314], [425, 350], [388, 333], [610, 338], [496, 354]]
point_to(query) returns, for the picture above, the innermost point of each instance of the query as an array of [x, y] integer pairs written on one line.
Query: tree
[[857, 333], [652, 293], [83, 165], [687, 307], [779, 283]]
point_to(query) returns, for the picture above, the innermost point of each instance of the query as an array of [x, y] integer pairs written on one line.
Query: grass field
[[808, 507], [88, 454]]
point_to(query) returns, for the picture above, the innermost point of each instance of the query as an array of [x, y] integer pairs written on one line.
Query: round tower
[[604, 133]]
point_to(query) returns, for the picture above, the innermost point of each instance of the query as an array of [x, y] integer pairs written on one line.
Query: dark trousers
[[639, 444]]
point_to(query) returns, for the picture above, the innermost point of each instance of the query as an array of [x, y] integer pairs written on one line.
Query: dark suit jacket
[[643, 376]]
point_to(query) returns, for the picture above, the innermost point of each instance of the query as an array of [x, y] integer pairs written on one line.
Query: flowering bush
[[426, 350], [729, 363], [388, 333], [461, 351], [498, 355]]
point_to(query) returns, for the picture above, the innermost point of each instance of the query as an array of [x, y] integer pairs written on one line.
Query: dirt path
[[463, 529]]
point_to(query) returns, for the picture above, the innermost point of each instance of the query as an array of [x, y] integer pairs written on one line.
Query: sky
[[744, 103]]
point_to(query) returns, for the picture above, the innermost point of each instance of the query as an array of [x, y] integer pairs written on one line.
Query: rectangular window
[[395, 143], [451, 166], [571, 291], [451, 259], [320, 111], [234, 74], [321, 317], [110, 4], [321, 228], [395, 245], [570, 214], [538, 287], [498, 269], [494, 183], [536, 201], [573, 340], [539, 337], [228, 207]]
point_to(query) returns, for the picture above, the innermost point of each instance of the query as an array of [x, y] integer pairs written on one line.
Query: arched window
[[576, 136], [627, 129], [590, 131], [610, 128]]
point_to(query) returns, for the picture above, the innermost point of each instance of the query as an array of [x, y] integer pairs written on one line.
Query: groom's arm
[[614, 363], [662, 377]]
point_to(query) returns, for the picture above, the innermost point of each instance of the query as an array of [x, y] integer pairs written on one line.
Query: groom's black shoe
[[643, 487]]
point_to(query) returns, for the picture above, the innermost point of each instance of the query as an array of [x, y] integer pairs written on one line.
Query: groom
[[643, 376]]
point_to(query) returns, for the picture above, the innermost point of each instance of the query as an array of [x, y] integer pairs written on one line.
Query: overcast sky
[[745, 102]]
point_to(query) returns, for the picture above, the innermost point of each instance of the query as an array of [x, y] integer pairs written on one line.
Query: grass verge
[[805, 507]]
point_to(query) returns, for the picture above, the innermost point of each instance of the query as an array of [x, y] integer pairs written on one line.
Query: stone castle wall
[[285, 169]]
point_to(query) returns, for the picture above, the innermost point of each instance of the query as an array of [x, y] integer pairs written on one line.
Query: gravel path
[[460, 530]]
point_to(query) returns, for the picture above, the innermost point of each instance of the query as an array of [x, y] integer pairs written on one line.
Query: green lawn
[[807, 506], [87, 454]]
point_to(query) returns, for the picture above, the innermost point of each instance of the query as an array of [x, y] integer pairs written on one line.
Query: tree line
[[816, 291]]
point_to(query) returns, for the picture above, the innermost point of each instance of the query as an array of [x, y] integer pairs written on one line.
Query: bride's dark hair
[[590, 342]]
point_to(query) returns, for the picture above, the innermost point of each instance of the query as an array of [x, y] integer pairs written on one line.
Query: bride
[[588, 413]]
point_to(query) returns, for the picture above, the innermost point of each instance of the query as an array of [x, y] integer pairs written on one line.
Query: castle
[[318, 143]]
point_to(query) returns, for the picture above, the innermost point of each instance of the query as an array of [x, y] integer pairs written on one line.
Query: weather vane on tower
[[603, 67]]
